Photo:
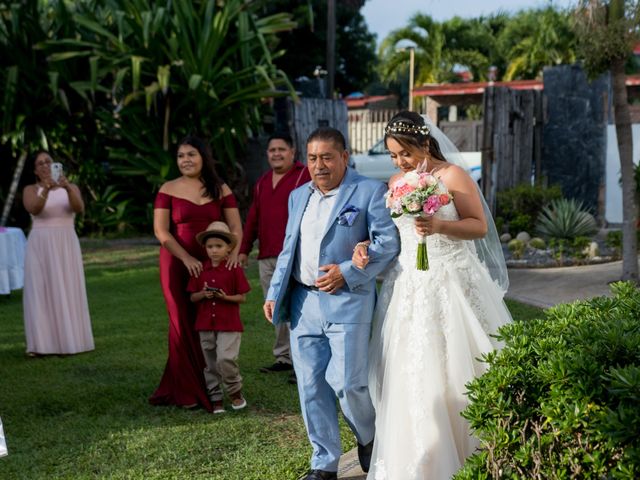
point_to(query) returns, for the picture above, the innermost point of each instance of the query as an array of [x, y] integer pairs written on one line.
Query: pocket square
[[348, 215]]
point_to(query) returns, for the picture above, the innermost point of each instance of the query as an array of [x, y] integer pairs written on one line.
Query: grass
[[87, 416]]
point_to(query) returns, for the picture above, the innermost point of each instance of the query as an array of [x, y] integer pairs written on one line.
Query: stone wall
[[575, 134]]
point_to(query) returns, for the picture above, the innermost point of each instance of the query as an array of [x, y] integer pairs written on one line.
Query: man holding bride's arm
[[329, 301]]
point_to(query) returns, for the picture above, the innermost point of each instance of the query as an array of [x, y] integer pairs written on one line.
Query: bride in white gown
[[430, 327]]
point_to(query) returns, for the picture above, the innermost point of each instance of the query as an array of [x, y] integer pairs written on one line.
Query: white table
[[12, 246]]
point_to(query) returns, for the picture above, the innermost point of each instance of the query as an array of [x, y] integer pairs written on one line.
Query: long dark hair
[[409, 130], [31, 171], [211, 181]]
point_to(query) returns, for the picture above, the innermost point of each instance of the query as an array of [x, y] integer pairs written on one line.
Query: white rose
[[412, 179], [431, 180]]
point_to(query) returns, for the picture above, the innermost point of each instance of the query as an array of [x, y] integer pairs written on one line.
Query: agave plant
[[566, 219]]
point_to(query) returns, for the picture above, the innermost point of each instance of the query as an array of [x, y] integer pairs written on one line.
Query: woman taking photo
[[184, 207], [56, 312]]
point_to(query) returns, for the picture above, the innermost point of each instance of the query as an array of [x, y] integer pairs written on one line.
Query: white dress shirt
[[312, 226]]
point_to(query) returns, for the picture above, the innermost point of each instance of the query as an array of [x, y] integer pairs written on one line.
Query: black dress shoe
[[277, 367], [364, 455], [321, 475]]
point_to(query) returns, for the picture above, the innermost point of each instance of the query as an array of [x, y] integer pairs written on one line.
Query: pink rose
[[402, 190], [432, 205], [445, 198]]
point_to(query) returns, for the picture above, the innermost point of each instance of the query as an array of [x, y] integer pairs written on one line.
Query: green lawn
[[87, 416]]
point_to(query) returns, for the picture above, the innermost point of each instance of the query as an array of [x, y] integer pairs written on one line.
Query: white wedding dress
[[430, 328]]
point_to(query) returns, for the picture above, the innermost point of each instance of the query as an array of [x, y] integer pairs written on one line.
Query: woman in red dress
[[184, 207]]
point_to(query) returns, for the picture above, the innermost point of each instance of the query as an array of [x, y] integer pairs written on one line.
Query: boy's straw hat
[[220, 229]]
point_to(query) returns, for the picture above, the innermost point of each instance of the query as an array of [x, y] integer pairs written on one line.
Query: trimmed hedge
[[562, 399]]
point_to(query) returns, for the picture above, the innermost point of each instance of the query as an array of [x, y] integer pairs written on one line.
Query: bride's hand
[[360, 257], [427, 225]]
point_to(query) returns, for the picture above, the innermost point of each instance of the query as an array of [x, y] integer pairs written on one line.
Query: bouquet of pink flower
[[417, 193]]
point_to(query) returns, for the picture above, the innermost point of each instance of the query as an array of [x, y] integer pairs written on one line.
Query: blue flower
[[348, 215]]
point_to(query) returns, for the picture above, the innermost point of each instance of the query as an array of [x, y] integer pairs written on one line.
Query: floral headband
[[406, 128]]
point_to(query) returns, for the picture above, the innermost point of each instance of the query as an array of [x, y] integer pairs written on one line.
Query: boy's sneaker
[[237, 401], [218, 407]]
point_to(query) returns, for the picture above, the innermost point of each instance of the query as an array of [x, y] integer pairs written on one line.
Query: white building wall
[[613, 188]]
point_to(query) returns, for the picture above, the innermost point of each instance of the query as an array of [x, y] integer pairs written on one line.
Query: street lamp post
[[411, 68]]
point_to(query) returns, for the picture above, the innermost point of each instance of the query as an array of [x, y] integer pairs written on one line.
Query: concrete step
[[349, 466]]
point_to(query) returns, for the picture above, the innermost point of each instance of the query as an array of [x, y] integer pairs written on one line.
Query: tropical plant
[[608, 31], [516, 247], [534, 39], [562, 398], [33, 115], [537, 243], [565, 219], [440, 48], [111, 85], [523, 204]]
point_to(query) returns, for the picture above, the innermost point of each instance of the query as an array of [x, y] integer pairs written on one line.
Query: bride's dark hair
[[410, 130]]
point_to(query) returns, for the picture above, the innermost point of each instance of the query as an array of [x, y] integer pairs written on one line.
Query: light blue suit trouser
[[330, 360]]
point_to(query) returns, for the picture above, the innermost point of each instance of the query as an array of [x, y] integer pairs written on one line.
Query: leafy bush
[[521, 223], [567, 219], [562, 398], [516, 247], [580, 246], [524, 200], [537, 243]]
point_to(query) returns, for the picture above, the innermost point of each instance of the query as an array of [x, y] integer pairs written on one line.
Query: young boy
[[219, 291]]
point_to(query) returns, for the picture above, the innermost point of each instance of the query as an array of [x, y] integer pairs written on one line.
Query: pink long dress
[[56, 312]]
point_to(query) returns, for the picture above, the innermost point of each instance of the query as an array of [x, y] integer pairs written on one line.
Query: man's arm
[[385, 243], [286, 255]]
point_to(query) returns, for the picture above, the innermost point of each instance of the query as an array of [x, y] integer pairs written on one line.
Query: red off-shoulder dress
[[182, 382]]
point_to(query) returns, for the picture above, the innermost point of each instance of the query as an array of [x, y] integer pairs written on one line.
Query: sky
[[383, 16]]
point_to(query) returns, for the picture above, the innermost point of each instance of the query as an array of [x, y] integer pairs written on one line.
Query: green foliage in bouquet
[[562, 398], [566, 219], [523, 203]]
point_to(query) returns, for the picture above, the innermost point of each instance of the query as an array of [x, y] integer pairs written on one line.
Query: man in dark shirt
[[267, 220]]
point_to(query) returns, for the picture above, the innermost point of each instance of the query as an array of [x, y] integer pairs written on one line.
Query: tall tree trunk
[[13, 188], [625, 147]]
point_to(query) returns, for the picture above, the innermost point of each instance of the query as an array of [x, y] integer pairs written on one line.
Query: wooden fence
[[310, 113], [512, 139], [366, 127]]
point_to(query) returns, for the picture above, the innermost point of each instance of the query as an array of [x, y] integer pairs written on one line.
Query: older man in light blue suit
[[329, 301]]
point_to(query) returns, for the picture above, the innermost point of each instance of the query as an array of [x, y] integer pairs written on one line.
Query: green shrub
[[521, 223], [579, 247], [516, 247], [537, 243], [562, 398], [524, 200], [564, 218]]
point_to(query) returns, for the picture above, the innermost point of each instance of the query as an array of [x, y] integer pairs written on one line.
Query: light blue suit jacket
[[355, 301]]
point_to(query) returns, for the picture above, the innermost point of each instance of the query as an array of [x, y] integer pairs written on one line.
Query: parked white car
[[376, 163]]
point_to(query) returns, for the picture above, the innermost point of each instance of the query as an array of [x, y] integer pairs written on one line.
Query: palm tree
[[608, 30], [441, 48], [534, 39]]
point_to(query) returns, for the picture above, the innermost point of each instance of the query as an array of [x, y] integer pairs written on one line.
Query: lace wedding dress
[[430, 328]]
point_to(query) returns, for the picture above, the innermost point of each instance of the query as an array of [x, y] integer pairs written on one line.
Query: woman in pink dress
[[56, 312], [184, 207]]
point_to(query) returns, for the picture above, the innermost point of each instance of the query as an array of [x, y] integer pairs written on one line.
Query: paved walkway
[[546, 287], [540, 287]]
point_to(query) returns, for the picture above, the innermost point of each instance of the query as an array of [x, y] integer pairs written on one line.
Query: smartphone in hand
[[56, 171], [213, 289]]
